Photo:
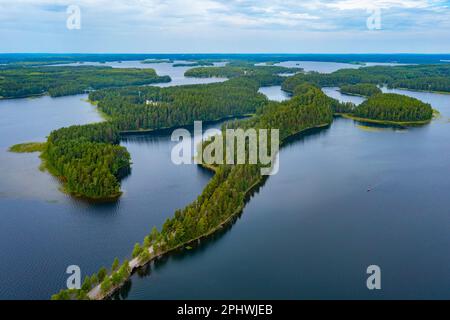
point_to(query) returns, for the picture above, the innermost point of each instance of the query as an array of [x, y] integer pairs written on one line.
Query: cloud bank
[[211, 25]]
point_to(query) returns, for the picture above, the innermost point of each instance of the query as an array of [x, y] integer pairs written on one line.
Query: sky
[[225, 26]]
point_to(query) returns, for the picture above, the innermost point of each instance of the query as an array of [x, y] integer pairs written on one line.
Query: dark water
[[310, 231]]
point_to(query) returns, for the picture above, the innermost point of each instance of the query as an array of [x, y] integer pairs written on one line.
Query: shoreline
[[385, 122]]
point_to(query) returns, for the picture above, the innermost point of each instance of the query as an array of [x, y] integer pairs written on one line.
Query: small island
[[154, 61], [394, 109]]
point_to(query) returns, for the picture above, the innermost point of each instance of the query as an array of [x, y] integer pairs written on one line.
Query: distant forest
[[19, 82], [418, 77], [39, 58]]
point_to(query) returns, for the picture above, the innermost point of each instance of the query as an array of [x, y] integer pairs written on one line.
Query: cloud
[[382, 4], [205, 20], [308, 14]]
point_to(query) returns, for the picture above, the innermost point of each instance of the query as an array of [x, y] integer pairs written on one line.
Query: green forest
[[19, 82], [137, 108], [394, 107], [361, 89]]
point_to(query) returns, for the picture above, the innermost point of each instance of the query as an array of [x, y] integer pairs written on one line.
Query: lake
[[310, 232]]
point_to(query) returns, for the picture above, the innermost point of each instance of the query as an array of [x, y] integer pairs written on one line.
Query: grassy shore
[[29, 147]]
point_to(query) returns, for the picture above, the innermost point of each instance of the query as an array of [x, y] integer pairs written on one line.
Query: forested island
[[360, 89], [222, 199], [266, 75], [20, 82], [393, 108], [88, 160]]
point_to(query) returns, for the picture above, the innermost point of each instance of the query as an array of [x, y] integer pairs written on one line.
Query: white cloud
[[205, 20], [382, 4]]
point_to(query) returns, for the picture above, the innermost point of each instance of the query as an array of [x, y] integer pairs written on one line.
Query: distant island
[[151, 61]]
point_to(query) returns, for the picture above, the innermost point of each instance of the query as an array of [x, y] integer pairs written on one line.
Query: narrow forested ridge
[[265, 75]]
